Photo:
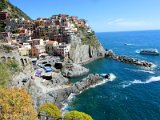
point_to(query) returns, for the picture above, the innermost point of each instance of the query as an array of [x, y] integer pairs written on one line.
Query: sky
[[102, 15]]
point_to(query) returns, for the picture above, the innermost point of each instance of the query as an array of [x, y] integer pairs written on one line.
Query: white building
[[27, 45]]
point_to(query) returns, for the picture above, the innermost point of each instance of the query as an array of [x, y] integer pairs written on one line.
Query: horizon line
[[129, 30]]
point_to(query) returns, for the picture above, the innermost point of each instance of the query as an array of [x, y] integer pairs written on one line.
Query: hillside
[[14, 11]]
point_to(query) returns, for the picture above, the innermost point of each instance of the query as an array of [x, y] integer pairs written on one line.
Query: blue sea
[[135, 93]]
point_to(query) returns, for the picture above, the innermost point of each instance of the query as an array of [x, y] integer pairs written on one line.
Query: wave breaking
[[152, 79], [72, 95]]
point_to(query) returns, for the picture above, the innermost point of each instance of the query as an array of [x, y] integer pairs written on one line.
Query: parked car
[[48, 69], [38, 73]]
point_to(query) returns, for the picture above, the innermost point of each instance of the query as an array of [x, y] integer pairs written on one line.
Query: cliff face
[[85, 47]]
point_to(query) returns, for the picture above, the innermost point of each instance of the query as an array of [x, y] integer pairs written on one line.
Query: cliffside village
[[34, 38]]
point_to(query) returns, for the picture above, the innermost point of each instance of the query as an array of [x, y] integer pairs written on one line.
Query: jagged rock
[[74, 70], [59, 96], [125, 59]]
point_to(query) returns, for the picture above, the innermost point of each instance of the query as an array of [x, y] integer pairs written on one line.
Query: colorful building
[[51, 47]]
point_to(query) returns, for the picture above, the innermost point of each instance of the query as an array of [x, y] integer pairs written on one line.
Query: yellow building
[[24, 51]]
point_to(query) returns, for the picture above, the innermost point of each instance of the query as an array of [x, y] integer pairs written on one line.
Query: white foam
[[146, 71], [129, 44], [69, 99], [112, 77], [126, 85], [136, 82], [152, 79], [138, 51], [65, 106], [72, 95]]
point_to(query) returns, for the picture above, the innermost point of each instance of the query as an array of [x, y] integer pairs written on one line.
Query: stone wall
[[14, 55]]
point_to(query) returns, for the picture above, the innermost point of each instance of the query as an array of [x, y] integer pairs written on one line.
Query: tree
[[49, 110], [16, 104], [75, 115]]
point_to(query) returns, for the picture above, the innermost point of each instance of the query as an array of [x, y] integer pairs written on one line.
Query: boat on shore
[[149, 52]]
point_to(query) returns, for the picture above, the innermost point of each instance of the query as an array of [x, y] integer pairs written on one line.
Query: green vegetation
[[6, 70], [75, 115], [15, 11], [6, 48], [88, 38], [4, 74], [16, 104], [2, 26], [3, 4], [50, 111]]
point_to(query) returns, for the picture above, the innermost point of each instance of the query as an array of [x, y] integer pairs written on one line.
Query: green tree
[[75, 115], [49, 110]]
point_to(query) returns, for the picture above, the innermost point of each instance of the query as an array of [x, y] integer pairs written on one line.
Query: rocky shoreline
[[60, 96], [128, 60]]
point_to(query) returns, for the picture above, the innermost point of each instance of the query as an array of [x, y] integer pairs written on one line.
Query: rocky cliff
[[85, 47]]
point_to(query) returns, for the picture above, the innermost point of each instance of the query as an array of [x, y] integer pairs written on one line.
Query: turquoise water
[[135, 93]]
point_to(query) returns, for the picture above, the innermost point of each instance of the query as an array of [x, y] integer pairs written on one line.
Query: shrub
[[49, 110], [75, 115], [16, 104]]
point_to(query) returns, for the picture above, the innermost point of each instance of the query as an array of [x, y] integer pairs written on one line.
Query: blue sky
[[102, 15]]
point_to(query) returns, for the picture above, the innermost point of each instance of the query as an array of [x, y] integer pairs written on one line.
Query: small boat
[[149, 52]]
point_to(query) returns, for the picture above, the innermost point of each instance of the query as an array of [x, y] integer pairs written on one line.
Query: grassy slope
[[15, 11]]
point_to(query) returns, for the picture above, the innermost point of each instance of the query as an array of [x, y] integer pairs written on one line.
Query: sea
[[135, 92]]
